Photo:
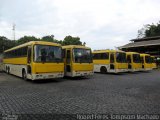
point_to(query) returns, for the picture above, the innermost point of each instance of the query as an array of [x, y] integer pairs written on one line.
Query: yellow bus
[[35, 60], [109, 61], [153, 59], [1, 62], [134, 61], [146, 62], [77, 60]]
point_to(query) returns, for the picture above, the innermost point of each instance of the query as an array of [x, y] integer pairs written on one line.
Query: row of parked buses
[[45, 60], [115, 61]]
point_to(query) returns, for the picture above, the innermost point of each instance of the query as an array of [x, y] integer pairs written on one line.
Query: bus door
[[142, 60], [29, 59], [68, 69], [112, 61], [129, 61]]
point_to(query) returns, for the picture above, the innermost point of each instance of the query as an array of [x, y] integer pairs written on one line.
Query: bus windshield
[[81, 55], [153, 60], [148, 59], [121, 57], [47, 53], [136, 58]]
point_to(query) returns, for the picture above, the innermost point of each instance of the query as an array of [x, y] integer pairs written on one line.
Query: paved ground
[[129, 93]]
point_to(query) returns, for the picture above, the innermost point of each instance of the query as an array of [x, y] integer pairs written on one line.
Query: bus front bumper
[[45, 76], [118, 70], [82, 73], [146, 69], [134, 70]]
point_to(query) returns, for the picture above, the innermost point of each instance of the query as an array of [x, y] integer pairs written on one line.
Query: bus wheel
[[8, 70], [24, 74], [103, 70]]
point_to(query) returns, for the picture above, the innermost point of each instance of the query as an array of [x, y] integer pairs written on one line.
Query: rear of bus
[[120, 62], [81, 63], [134, 61], [46, 61], [146, 62]]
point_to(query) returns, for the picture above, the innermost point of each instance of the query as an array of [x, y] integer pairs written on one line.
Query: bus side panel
[[99, 63], [15, 65], [97, 67], [15, 69], [17, 61]]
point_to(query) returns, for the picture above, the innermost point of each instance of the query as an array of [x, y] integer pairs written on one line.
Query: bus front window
[[153, 60], [82, 55], [121, 57], [46, 53], [148, 59], [136, 58]]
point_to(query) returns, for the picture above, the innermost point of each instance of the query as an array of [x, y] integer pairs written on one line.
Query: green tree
[[69, 40], [25, 39], [153, 30], [50, 38], [5, 43], [149, 30]]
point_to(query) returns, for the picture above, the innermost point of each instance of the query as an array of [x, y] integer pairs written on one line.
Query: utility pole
[[14, 25]]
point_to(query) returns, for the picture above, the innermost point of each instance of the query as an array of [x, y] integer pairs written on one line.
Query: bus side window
[[111, 58], [128, 58], [68, 56], [29, 54], [104, 56]]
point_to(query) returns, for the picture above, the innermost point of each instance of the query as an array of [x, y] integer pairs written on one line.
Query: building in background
[[149, 45]]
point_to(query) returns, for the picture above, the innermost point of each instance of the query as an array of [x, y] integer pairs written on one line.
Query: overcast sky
[[100, 23]]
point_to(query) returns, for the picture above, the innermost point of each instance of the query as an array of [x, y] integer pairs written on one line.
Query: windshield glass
[[153, 60], [121, 57], [148, 59], [46, 53], [136, 58], [81, 55]]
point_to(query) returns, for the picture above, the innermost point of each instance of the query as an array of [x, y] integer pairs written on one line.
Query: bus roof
[[102, 51], [132, 53], [153, 56], [75, 46], [143, 54], [32, 43]]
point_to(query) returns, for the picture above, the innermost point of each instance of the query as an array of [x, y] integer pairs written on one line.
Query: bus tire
[[8, 70], [103, 70], [24, 74]]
